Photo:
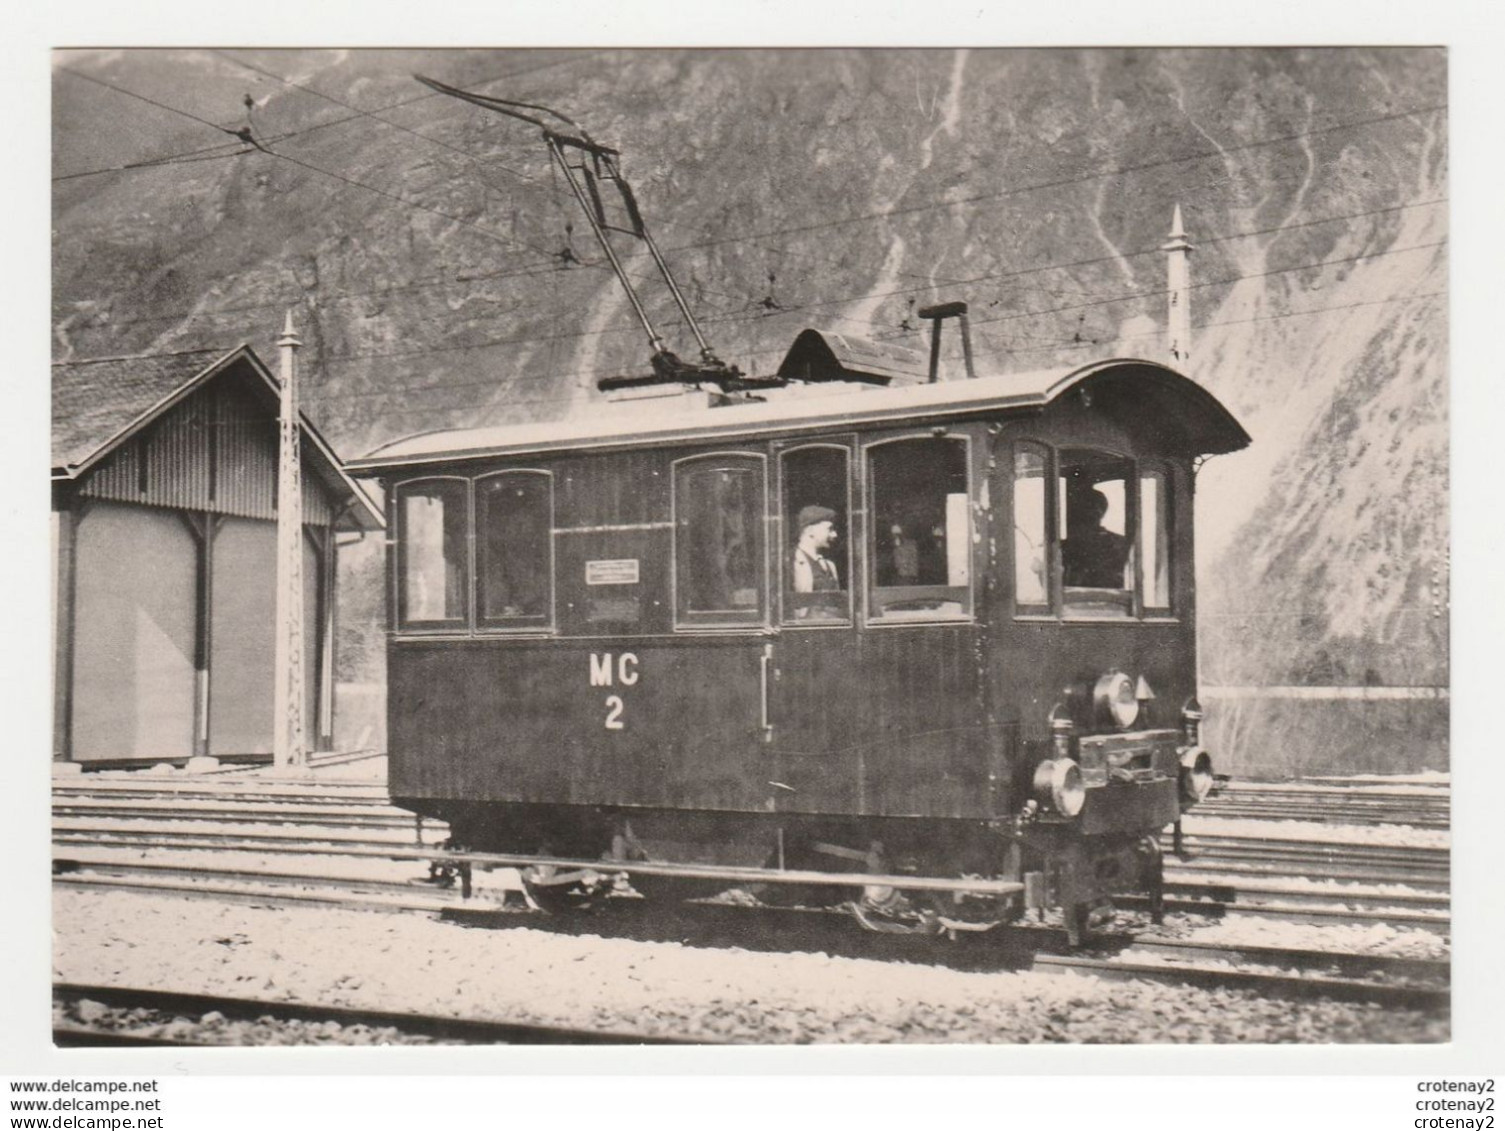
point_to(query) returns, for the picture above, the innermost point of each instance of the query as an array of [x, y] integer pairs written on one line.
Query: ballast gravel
[[415, 963]]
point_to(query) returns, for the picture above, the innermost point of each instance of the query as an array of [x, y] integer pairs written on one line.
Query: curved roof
[[1203, 424]]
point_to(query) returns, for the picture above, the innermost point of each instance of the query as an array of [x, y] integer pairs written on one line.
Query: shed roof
[[98, 404], [1205, 423]]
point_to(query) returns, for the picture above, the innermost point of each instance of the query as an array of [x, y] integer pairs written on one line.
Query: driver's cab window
[[920, 545], [1031, 527], [817, 566], [1095, 525]]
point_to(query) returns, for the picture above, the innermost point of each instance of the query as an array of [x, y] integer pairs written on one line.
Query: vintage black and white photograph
[[724, 546]]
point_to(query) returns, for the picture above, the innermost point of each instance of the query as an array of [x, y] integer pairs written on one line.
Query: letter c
[[625, 677]]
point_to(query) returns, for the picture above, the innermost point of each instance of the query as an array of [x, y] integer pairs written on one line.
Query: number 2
[[614, 712]]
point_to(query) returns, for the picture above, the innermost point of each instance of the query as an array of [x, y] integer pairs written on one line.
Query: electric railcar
[[603, 660]]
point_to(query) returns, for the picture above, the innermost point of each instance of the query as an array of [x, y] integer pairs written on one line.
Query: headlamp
[[1116, 700], [1058, 784]]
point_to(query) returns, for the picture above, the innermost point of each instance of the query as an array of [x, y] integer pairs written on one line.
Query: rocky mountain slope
[[426, 246]]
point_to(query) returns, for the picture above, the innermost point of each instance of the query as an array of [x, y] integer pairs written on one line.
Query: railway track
[[1269, 972], [367, 807], [1416, 806], [1174, 964], [1311, 858], [317, 834], [127, 1016], [347, 821], [295, 887]]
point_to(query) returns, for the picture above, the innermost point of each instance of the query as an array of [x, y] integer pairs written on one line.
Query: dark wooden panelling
[[887, 722], [612, 489], [521, 720], [891, 724], [582, 606]]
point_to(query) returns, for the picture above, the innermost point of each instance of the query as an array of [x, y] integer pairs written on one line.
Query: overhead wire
[[625, 329], [273, 138], [1226, 281], [262, 146], [942, 204], [1050, 345], [1063, 182], [539, 268], [375, 116], [1063, 346]]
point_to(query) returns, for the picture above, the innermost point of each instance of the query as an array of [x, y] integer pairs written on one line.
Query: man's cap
[[809, 516]]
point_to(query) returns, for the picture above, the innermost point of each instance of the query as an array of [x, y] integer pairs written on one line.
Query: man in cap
[[813, 572]]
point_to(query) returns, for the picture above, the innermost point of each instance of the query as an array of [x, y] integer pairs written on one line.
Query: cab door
[[811, 677]]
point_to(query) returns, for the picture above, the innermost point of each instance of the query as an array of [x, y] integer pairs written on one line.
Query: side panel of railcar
[[618, 703], [882, 722], [652, 722]]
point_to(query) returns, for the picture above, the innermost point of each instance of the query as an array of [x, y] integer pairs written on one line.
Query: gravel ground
[[215, 1028], [410, 962]]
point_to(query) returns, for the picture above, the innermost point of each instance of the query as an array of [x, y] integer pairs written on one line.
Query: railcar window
[[432, 573], [817, 558], [1031, 530], [1097, 561], [718, 541], [920, 547], [1155, 537], [513, 523]]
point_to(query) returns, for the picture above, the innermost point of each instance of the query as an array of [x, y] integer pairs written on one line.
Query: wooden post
[[203, 526], [1178, 287], [288, 748]]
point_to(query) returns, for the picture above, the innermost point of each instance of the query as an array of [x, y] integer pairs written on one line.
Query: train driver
[[812, 571], [1092, 556]]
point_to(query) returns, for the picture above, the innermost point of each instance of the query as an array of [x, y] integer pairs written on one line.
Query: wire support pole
[[654, 340], [288, 749]]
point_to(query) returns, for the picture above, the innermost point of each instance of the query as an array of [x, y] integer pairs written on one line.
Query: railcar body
[[598, 647]]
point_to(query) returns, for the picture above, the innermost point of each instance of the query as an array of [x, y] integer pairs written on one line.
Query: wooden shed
[[164, 506]]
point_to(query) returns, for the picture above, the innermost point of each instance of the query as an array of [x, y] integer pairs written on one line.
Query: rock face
[[420, 243]]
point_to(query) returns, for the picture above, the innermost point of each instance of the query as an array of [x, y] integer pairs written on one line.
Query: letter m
[[601, 669]]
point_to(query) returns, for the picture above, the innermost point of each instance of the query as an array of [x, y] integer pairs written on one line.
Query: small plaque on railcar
[[617, 571]]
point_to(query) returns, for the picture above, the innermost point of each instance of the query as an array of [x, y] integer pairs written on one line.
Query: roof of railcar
[[811, 408]]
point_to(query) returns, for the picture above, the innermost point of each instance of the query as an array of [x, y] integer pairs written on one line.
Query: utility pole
[[288, 751], [1178, 286]]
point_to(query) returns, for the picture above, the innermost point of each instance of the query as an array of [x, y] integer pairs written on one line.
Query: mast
[[1178, 289], [288, 750]]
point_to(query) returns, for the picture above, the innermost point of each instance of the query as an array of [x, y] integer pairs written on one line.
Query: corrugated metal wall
[[215, 452]]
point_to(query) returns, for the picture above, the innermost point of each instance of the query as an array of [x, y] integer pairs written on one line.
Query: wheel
[[964, 911], [674, 889], [559, 891], [889, 911], [799, 857]]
